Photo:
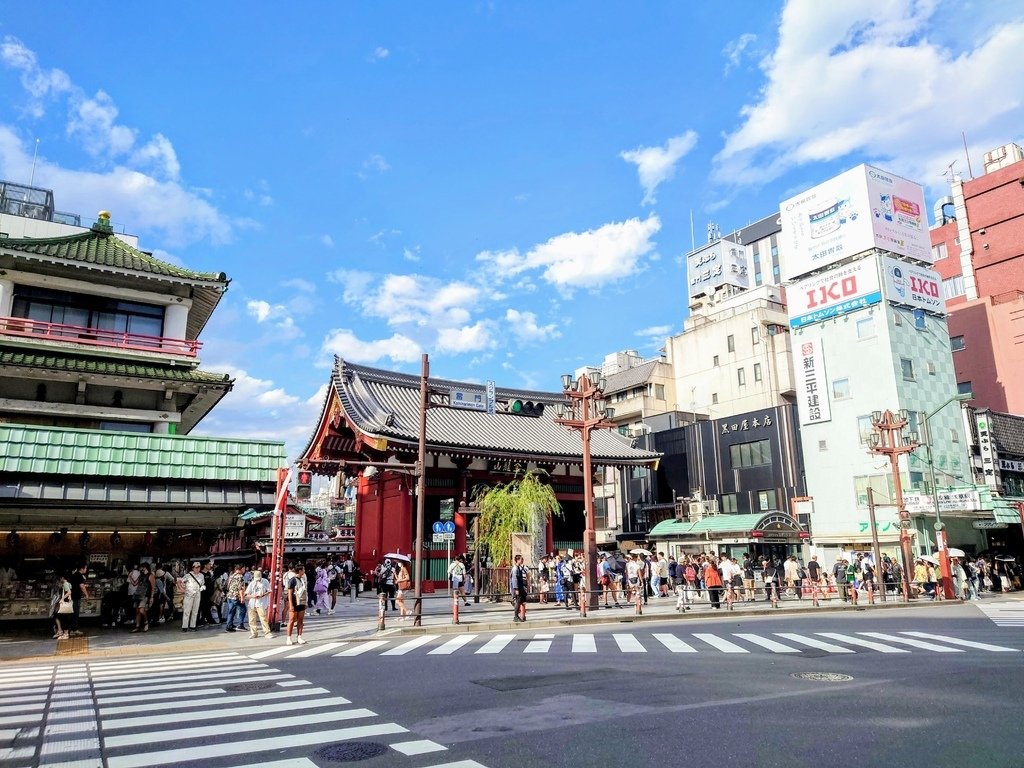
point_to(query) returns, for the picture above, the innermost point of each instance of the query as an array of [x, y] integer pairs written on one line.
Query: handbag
[[404, 584], [65, 607]]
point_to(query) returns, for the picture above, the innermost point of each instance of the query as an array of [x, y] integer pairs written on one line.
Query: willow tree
[[522, 505]]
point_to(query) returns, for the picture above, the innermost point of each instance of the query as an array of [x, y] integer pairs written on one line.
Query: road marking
[[270, 652], [496, 644], [420, 747], [768, 643], [674, 644], [362, 648], [539, 645], [189, 694], [862, 642], [1003, 613], [297, 762], [721, 644], [225, 667], [628, 644], [210, 712], [214, 748], [451, 646], [913, 643], [965, 643], [584, 644], [161, 662], [411, 645], [193, 684], [458, 764], [213, 703], [316, 650], [811, 642]]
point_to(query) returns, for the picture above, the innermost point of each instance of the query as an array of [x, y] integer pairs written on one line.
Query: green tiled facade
[[83, 452], [710, 524], [110, 367]]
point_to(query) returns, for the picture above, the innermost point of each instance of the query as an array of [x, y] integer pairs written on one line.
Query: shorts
[[737, 581], [748, 583]]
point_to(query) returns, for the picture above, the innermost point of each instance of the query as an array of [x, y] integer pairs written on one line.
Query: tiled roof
[[110, 367], [386, 404], [100, 247], [1009, 432], [84, 452], [709, 524], [629, 378]]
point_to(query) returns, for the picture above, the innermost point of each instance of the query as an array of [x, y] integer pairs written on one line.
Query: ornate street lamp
[[585, 410], [890, 439]]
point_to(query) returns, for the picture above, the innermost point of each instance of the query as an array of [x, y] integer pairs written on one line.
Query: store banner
[[813, 402], [833, 293], [912, 285]]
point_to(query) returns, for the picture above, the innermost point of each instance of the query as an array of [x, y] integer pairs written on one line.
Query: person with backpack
[[519, 587], [320, 587], [297, 599], [565, 577], [334, 572], [457, 574], [384, 577]]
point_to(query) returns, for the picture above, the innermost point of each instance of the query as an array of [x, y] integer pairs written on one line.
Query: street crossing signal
[[304, 485], [526, 408]]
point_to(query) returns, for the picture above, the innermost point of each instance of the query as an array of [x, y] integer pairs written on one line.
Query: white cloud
[[735, 49], [327, 241], [655, 165], [850, 78], [375, 163], [379, 54], [261, 392], [524, 327], [654, 331], [261, 195], [275, 314], [411, 254], [345, 344], [38, 83], [581, 259], [305, 286], [469, 338]]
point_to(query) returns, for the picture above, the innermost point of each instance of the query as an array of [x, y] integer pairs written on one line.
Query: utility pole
[[890, 440]]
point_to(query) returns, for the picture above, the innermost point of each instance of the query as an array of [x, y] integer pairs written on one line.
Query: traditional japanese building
[[472, 440]]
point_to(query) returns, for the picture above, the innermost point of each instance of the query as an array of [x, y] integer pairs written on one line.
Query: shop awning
[[1005, 511], [710, 524]]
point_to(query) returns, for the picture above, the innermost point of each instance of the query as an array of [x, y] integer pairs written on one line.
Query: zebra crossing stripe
[[419, 747], [141, 686], [164, 697], [496, 644], [316, 650], [458, 764], [359, 649], [862, 642], [215, 748], [270, 652], [628, 644], [541, 644], [211, 713], [964, 643], [584, 644], [913, 643], [214, 702], [411, 645], [298, 762], [160, 662], [767, 643], [226, 667], [448, 648], [812, 643], [721, 644], [674, 644]]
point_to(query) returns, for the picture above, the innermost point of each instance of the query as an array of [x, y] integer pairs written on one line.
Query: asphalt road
[[719, 691]]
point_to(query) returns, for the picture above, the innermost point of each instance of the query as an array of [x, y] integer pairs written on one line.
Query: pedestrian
[[518, 587], [320, 589], [403, 582], [145, 593], [79, 591], [385, 578], [334, 573], [543, 574], [839, 572], [565, 577], [234, 599], [194, 585], [257, 596], [748, 569], [206, 596], [792, 570], [713, 583], [61, 607], [457, 574], [298, 597], [959, 579]]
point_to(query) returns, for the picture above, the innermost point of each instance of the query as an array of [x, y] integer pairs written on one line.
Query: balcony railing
[[97, 337]]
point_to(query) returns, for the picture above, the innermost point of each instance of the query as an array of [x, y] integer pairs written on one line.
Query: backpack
[[691, 574]]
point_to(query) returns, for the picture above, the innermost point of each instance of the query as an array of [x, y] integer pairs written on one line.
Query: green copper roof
[[110, 367], [710, 524], [100, 247], [84, 452]]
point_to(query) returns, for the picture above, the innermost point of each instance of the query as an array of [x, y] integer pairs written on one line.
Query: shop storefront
[[774, 534]]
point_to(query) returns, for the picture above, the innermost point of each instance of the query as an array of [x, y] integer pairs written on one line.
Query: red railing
[[97, 337]]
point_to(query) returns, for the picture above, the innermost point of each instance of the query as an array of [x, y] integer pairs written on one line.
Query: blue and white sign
[[448, 527], [833, 293], [472, 399], [438, 527]]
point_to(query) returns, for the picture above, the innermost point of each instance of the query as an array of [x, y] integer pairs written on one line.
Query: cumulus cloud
[[276, 315], [374, 164], [344, 343], [467, 338], [735, 49], [379, 54], [655, 165], [581, 259], [869, 79], [654, 331], [411, 254], [40, 84], [524, 327], [327, 241]]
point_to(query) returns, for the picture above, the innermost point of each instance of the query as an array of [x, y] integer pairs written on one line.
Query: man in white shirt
[[257, 597]]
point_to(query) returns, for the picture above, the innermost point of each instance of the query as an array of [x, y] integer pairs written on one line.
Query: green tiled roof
[[99, 246], [710, 524], [84, 452], [110, 367]]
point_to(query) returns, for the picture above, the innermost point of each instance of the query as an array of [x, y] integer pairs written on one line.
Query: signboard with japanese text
[[833, 293], [912, 285], [744, 423], [1011, 465], [858, 210], [949, 501], [722, 262], [987, 449], [812, 385], [473, 399], [295, 526]]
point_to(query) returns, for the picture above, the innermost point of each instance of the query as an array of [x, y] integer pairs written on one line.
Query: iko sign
[[914, 286], [853, 212], [812, 388], [836, 292], [722, 262]]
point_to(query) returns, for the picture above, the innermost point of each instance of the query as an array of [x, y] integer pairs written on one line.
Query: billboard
[[853, 212], [722, 262], [833, 293], [914, 286], [812, 383]]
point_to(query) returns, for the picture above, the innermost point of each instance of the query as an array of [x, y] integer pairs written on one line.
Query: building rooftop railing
[[97, 337]]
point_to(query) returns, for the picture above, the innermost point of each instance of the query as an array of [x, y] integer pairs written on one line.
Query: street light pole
[[890, 440], [586, 411]]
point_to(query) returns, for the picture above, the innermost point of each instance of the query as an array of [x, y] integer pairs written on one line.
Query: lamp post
[[890, 440], [585, 410], [945, 574]]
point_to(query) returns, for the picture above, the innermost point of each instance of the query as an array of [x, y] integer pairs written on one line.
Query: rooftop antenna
[[32, 178], [693, 242], [970, 172], [948, 174]]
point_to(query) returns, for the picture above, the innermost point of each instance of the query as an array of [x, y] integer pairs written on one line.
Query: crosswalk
[[103, 713], [637, 643], [1005, 613]]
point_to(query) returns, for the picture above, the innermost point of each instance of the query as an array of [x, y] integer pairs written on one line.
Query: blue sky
[[505, 186]]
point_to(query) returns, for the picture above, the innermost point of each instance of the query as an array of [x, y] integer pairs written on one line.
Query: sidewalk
[[358, 620]]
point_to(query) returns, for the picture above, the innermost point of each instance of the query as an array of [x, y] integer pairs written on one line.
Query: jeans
[[234, 608]]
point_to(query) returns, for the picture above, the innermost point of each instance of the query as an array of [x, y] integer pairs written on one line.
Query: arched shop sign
[[778, 528]]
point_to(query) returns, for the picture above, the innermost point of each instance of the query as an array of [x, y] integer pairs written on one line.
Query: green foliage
[[523, 505]]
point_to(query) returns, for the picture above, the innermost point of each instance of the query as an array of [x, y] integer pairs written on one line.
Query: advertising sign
[[912, 285], [949, 501], [835, 292], [295, 527], [853, 212], [722, 262], [987, 448], [812, 383]]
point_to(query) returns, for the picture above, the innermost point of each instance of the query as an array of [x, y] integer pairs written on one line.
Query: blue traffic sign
[[438, 527], [449, 527]]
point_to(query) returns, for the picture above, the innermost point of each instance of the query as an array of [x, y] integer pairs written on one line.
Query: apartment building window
[[907, 368], [755, 454], [730, 342], [864, 429], [714, 361], [62, 308], [964, 388], [865, 327], [939, 252], [728, 503], [841, 389], [741, 377], [931, 368], [953, 287], [823, 445], [757, 371], [755, 335], [954, 436], [714, 398], [881, 485], [956, 343], [659, 391]]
